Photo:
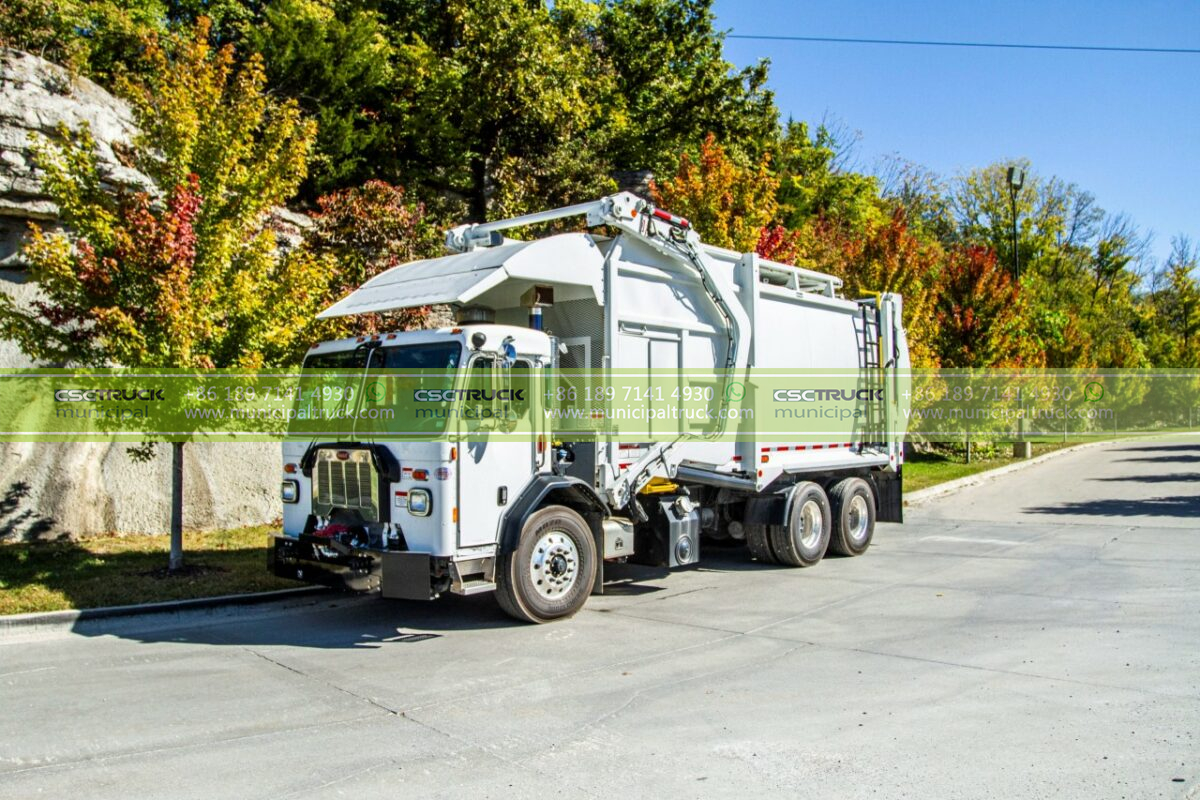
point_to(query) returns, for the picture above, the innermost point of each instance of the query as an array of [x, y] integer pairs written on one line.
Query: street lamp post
[[1016, 179]]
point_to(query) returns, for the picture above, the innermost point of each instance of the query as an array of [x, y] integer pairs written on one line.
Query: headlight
[[289, 491], [419, 503]]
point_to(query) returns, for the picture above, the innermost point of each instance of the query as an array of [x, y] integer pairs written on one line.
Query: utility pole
[[1016, 179]]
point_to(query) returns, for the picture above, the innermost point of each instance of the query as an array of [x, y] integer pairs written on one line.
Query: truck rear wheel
[[853, 505], [549, 574], [802, 541]]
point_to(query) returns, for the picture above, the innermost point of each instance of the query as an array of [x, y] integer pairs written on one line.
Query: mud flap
[[889, 495]]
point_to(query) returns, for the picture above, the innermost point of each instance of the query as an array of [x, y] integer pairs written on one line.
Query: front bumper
[[315, 559]]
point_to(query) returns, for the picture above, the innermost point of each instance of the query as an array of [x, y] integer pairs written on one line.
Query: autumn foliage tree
[[367, 230], [978, 310], [729, 204], [186, 274]]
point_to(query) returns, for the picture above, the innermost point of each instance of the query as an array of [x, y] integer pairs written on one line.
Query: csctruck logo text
[[94, 395], [449, 395], [814, 395]]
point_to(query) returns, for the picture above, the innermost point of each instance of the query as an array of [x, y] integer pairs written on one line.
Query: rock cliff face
[[80, 488], [36, 98]]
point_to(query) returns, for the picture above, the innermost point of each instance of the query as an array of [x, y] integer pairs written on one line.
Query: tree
[[478, 83], [367, 230], [978, 313], [189, 277], [813, 185], [889, 258], [920, 192], [728, 204], [1175, 308], [98, 38], [673, 85], [336, 60]]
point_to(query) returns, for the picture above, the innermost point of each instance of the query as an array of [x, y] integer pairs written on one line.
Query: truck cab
[[435, 481]]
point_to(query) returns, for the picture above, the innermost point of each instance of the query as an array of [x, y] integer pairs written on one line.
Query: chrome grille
[[350, 483]]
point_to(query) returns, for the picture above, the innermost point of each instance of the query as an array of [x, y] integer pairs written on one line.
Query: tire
[[853, 504], [550, 572], [759, 542], [803, 541]]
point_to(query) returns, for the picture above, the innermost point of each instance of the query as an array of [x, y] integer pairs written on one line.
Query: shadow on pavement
[[330, 621], [1175, 477], [1160, 448], [1177, 506], [1179, 459], [341, 621]]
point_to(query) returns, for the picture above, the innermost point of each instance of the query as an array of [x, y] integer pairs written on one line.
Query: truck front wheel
[[549, 574]]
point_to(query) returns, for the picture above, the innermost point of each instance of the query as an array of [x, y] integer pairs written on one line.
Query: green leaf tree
[[335, 59], [673, 86]]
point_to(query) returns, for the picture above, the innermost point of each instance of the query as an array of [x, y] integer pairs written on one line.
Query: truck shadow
[[336, 621], [328, 621]]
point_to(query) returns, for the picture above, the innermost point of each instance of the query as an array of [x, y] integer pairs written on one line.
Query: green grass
[[120, 570], [929, 469]]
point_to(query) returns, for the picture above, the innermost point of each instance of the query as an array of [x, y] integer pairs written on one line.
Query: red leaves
[[979, 312], [777, 243], [143, 279], [369, 229]]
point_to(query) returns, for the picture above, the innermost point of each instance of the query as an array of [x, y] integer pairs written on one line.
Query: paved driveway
[[1035, 636]]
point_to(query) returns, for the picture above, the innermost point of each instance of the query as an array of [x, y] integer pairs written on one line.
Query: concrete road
[[1036, 636]]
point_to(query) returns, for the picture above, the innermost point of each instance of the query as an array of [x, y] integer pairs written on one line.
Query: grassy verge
[[120, 570], [929, 469]]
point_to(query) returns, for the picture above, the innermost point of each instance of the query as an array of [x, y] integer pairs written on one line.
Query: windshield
[[371, 391]]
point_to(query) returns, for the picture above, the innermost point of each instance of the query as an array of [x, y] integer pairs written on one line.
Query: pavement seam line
[[322, 681], [103, 758]]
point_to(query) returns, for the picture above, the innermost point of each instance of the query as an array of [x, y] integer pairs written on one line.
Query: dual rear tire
[[842, 521]]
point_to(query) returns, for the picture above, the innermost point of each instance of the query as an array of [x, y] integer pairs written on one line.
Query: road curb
[[950, 487], [50, 621]]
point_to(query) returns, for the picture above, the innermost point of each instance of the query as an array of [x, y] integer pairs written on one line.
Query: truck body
[[536, 517]]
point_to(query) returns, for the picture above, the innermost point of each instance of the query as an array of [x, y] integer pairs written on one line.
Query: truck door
[[492, 467]]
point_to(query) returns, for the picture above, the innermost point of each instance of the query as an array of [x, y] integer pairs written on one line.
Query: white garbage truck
[[462, 505]]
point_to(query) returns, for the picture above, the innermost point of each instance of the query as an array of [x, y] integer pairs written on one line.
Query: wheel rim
[[812, 524], [554, 565], [858, 518]]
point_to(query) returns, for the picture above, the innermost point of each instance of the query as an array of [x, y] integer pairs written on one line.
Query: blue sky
[[1125, 126]]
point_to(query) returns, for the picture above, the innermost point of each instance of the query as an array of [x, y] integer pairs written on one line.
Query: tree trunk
[[175, 561]]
